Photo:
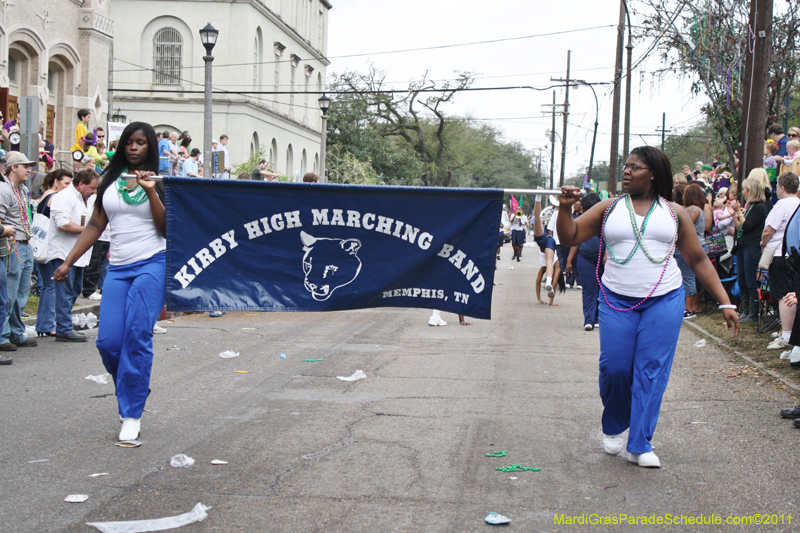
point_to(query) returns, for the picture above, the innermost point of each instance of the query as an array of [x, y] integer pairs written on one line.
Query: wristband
[[727, 306]]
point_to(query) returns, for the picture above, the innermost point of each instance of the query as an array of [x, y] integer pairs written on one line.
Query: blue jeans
[[18, 284], [67, 292], [133, 297], [46, 314], [591, 290], [636, 352], [747, 268]]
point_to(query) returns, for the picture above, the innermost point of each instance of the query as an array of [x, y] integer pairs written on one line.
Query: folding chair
[[727, 278], [768, 314]]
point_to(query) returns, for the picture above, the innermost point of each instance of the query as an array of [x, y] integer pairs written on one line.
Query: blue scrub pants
[[18, 284], [587, 271], [46, 313], [636, 352], [133, 296]]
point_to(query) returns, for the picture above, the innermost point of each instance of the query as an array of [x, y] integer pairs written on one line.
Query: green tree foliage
[[707, 41], [410, 140], [693, 145]]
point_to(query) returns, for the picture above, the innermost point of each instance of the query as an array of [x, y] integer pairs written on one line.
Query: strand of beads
[[663, 270], [138, 197]]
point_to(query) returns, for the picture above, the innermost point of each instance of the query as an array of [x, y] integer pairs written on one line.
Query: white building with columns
[[263, 46], [58, 51]]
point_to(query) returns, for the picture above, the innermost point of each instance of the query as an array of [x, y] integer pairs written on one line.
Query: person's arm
[[709, 217], [156, 206], [574, 231], [766, 235], [696, 258], [693, 212], [572, 253], [94, 228], [60, 214]]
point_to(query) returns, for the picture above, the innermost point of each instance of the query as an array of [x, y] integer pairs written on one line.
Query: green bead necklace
[[639, 233], [139, 195]]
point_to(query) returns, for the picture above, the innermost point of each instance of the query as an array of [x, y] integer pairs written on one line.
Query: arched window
[[254, 144], [167, 59], [273, 155], [290, 163], [303, 163]]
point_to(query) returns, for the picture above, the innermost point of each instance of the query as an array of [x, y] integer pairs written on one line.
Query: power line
[[438, 47]]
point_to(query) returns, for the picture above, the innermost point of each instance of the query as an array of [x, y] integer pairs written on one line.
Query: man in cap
[[14, 212]]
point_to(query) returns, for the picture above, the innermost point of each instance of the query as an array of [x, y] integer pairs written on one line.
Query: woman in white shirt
[[641, 295], [135, 286]]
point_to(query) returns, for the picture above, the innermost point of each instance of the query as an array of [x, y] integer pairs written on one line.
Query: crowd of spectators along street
[[753, 227]]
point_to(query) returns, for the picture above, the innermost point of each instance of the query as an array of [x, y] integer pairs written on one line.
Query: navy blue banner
[[265, 246]]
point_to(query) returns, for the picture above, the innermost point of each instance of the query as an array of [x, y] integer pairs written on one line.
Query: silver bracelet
[[727, 306]]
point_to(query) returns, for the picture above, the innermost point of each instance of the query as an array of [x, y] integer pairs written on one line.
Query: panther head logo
[[329, 264]]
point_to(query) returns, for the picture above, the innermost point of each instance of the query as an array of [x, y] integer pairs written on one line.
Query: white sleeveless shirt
[[638, 276], [133, 233]]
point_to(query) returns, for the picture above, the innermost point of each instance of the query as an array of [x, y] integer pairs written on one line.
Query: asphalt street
[[402, 450]]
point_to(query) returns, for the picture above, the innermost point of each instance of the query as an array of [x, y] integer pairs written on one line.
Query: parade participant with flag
[[135, 286], [641, 295]]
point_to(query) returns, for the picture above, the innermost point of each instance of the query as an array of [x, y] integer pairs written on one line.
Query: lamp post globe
[[208, 36]]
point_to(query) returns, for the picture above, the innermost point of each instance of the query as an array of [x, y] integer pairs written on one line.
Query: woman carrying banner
[[135, 286], [641, 295]]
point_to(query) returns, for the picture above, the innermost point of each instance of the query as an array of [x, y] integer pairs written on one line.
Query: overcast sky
[[370, 26]]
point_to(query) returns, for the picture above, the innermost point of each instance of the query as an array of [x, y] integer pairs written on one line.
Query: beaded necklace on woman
[[130, 195], [639, 234]]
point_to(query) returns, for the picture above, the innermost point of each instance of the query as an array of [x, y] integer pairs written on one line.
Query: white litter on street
[[181, 460], [198, 514], [102, 379], [228, 354], [76, 498], [358, 374]]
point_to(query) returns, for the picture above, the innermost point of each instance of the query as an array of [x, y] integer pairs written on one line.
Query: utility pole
[[564, 134], [663, 130], [553, 143], [612, 160], [596, 116], [756, 80], [552, 138], [626, 142]]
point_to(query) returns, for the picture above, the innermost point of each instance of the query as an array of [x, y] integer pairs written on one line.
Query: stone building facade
[[263, 46], [58, 51]]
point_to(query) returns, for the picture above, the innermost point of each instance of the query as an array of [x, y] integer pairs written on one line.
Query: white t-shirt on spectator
[[778, 218], [67, 206]]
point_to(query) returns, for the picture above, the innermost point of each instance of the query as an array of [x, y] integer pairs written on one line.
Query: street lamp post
[[324, 104], [208, 36]]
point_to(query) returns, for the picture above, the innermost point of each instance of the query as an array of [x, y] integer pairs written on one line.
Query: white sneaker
[[158, 329], [779, 344], [775, 334], [434, 321], [613, 444], [596, 326], [588, 327], [578, 286], [95, 296], [646, 460], [786, 354], [568, 286], [130, 429]]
